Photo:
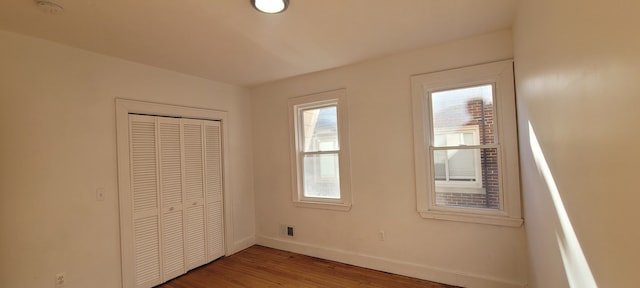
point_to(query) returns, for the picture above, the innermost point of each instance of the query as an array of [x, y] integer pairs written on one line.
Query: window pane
[[462, 165], [321, 176], [328, 166], [457, 167], [440, 140], [439, 165], [468, 139], [463, 182], [454, 110], [320, 129]]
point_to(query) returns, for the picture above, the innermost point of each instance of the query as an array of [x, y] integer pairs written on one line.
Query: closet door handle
[[194, 203]]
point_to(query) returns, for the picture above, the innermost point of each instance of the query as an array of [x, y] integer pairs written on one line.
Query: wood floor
[[260, 266]]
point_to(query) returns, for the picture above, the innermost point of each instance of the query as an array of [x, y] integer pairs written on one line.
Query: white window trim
[[297, 104], [500, 74]]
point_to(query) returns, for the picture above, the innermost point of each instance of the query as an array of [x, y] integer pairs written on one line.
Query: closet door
[[172, 213], [171, 197], [144, 199], [194, 205], [213, 159]]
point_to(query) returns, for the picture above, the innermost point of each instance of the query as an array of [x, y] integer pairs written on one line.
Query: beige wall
[[382, 181], [576, 73], [577, 68], [57, 121]]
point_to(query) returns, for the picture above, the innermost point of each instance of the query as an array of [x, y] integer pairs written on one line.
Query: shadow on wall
[[575, 264]]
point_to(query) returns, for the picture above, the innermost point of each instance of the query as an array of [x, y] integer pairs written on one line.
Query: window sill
[[323, 205], [473, 218]]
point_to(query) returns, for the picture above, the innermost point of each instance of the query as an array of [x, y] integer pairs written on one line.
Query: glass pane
[[462, 165], [457, 166], [321, 176], [328, 166], [439, 165], [440, 140], [468, 139], [458, 111], [320, 129], [467, 178]]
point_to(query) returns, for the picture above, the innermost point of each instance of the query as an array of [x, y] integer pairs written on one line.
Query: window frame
[[500, 75], [297, 105]]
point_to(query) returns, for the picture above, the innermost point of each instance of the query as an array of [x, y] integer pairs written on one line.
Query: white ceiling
[[228, 41]]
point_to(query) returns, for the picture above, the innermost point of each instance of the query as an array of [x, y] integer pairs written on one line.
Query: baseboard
[[388, 265], [242, 244]]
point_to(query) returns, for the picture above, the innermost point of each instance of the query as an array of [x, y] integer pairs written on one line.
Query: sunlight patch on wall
[[576, 265]]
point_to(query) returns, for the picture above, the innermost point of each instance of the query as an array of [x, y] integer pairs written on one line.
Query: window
[[466, 145], [319, 158]]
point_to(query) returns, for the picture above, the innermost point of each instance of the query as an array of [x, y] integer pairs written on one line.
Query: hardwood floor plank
[[260, 266]]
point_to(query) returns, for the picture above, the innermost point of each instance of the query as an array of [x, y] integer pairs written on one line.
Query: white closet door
[[171, 189], [145, 202], [213, 160], [175, 219], [194, 192]]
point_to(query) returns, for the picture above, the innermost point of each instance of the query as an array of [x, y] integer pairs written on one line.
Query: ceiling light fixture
[[270, 6]]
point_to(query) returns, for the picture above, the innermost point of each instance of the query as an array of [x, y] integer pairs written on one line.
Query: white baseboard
[[242, 244], [388, 265]]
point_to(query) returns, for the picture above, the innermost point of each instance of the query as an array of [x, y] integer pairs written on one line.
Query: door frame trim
[[124, 107]]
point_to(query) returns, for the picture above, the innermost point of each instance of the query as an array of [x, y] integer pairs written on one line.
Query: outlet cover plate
[[61, 279]]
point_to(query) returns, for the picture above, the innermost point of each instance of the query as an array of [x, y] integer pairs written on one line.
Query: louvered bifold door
[[171, 196], [145, 202], [195, 237], [213, 184]]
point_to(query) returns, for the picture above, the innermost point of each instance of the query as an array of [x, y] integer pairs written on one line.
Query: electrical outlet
[[287, 230], [381, 235], [61, 279]]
